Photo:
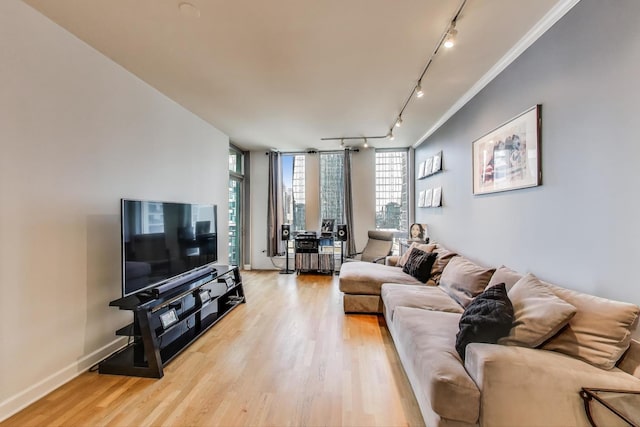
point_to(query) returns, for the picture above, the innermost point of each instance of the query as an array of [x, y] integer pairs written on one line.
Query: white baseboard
[[247, 266], [26, 397]]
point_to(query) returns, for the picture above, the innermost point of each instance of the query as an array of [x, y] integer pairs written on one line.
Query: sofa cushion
[[600, 331], [426, 344], [486, 319], [419, 264], [504, 275], [539, 313], [424, 297], [427, 247], [464, 280], [444, 256], [366, 278]]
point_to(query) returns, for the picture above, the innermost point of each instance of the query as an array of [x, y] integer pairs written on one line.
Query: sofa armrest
[[537, 387], [391, 260]]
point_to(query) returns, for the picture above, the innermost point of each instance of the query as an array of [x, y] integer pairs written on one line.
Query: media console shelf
[[164, 326]]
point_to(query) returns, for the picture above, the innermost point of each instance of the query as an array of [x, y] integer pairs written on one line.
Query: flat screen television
[[162, 241]]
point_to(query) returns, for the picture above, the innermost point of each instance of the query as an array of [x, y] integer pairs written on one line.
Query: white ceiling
[[285, 73]]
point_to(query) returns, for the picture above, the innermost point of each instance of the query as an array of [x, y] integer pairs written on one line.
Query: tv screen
[[163, 240]]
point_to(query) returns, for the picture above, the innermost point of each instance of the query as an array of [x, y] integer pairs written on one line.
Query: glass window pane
[[332, 186], [235, 161], [293, 186], [391, 190]]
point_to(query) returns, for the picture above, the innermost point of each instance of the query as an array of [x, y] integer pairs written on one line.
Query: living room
[[80, 132]]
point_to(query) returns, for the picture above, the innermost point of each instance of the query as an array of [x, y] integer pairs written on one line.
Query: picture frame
[[437, 197], [428, 198], [421, 199], [418, 233], [508, 157], [428, 166], [437, 163], [421, 169]]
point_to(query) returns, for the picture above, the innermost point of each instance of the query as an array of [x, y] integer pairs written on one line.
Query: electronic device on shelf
[[169, 318]]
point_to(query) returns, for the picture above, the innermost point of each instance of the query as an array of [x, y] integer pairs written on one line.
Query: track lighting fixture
[[450, 39], [446, 40]]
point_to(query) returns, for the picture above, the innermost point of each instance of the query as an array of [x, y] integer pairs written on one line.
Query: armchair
[[378, 247]]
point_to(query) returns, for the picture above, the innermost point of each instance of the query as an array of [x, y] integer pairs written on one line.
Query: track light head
[[419, 92], [366, 145], [390, 135], [399, 122], [342, 142], [450, 39]]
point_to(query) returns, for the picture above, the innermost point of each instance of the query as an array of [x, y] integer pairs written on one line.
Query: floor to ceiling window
[[236, 179], [293, 188], [332, 186], [392, 203]]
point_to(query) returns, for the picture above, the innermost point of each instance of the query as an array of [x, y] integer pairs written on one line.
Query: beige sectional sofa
[[561, 341]]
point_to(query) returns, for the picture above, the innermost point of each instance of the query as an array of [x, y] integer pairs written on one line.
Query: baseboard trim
[[16, 403]]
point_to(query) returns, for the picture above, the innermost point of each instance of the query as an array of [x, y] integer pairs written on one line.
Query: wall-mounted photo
[[418, 232], [508, 158], [437, 163]]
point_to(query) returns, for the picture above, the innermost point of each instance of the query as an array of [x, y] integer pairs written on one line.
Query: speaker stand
[[286, 269], [341, 256]]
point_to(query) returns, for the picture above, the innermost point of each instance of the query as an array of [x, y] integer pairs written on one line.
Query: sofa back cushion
[[463, 280], [600, 331], [539, 313], [504, 275], [444, 256]]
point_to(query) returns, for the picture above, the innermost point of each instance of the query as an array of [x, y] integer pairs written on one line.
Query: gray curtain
[[348, 204], [274, 212]]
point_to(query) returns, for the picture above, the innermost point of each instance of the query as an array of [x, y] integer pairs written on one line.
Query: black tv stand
[[165, 324]]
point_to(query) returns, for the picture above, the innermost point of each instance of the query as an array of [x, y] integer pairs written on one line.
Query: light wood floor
[[288, 357]]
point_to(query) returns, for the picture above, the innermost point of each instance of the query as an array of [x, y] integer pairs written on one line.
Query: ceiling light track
[[447, 39]]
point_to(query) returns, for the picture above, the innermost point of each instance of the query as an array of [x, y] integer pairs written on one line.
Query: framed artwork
[[428, 166], [437, 197], [421, 199], [437, 163], [421, 170], [418, 232], [427, 198], [508, 158]]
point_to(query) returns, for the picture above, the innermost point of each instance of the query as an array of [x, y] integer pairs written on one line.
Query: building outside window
[[392, 211], [236, 181], [293, 187], [332, 186]]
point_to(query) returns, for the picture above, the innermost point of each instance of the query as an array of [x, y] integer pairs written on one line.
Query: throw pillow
[[486, 319], [538, 313], [463, 280], [427, 247], [599, 333], [419, 264], [444, 256]]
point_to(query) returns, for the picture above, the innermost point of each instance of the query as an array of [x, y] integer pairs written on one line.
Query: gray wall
[[581, 228], [77, 133]]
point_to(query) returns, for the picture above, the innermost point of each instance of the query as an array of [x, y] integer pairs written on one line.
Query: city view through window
[[391, 190], [293, 187]]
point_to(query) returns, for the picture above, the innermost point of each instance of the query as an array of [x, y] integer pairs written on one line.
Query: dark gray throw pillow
[[486, 319], [419, 264]]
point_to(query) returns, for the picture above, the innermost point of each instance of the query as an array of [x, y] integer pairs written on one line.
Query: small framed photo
[[428, 166], [437, 197], [418, 232], [427, 198], [421, 199], [437, 163], [421, 170]]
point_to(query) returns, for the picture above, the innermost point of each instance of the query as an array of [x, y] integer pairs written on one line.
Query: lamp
[[419, 92]]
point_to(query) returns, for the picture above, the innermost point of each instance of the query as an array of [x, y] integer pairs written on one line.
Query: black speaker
[[342, 232], [284, 234]]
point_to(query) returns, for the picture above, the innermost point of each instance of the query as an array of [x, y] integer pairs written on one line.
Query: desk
[[624, 403]]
